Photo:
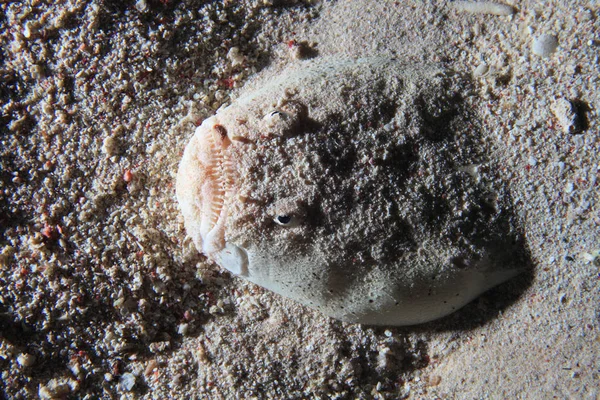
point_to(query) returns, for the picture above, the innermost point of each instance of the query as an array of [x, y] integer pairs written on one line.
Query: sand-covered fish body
[[355, 187]]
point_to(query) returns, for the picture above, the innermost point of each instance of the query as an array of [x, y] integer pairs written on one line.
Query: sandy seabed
[[103, 296]]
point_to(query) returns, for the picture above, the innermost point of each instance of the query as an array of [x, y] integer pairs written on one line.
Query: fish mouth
[[205, 185]]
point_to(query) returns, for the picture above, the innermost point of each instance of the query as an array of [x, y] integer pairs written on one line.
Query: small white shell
[[544, 45], [481, 70]]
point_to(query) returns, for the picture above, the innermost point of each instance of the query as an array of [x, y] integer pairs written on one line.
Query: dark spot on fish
[[221, 131]]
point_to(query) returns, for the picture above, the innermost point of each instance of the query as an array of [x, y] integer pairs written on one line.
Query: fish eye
[[284, 220], [276, 115]]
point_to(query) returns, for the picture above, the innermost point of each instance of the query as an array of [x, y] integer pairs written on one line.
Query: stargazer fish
[[357, 187]]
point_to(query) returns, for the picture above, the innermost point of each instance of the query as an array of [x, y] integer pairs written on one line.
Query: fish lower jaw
[[213, 240]]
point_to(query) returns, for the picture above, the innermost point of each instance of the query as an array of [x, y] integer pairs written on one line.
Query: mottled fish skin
[[355, 187]]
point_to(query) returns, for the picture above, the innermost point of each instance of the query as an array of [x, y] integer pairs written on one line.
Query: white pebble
[[544, 45], [483, 7], [110, 146], [141, 5], [235, 56], [25, 360], [481, 70], [127, 381], [569, 187], [44, 393], [588, 257], [182, 329], [29, 30], [565, 114], [383, 359]]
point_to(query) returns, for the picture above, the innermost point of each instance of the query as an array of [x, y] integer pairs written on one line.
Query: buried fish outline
[[355, 187]]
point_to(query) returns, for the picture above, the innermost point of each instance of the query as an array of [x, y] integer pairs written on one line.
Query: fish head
[[239, 185]]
